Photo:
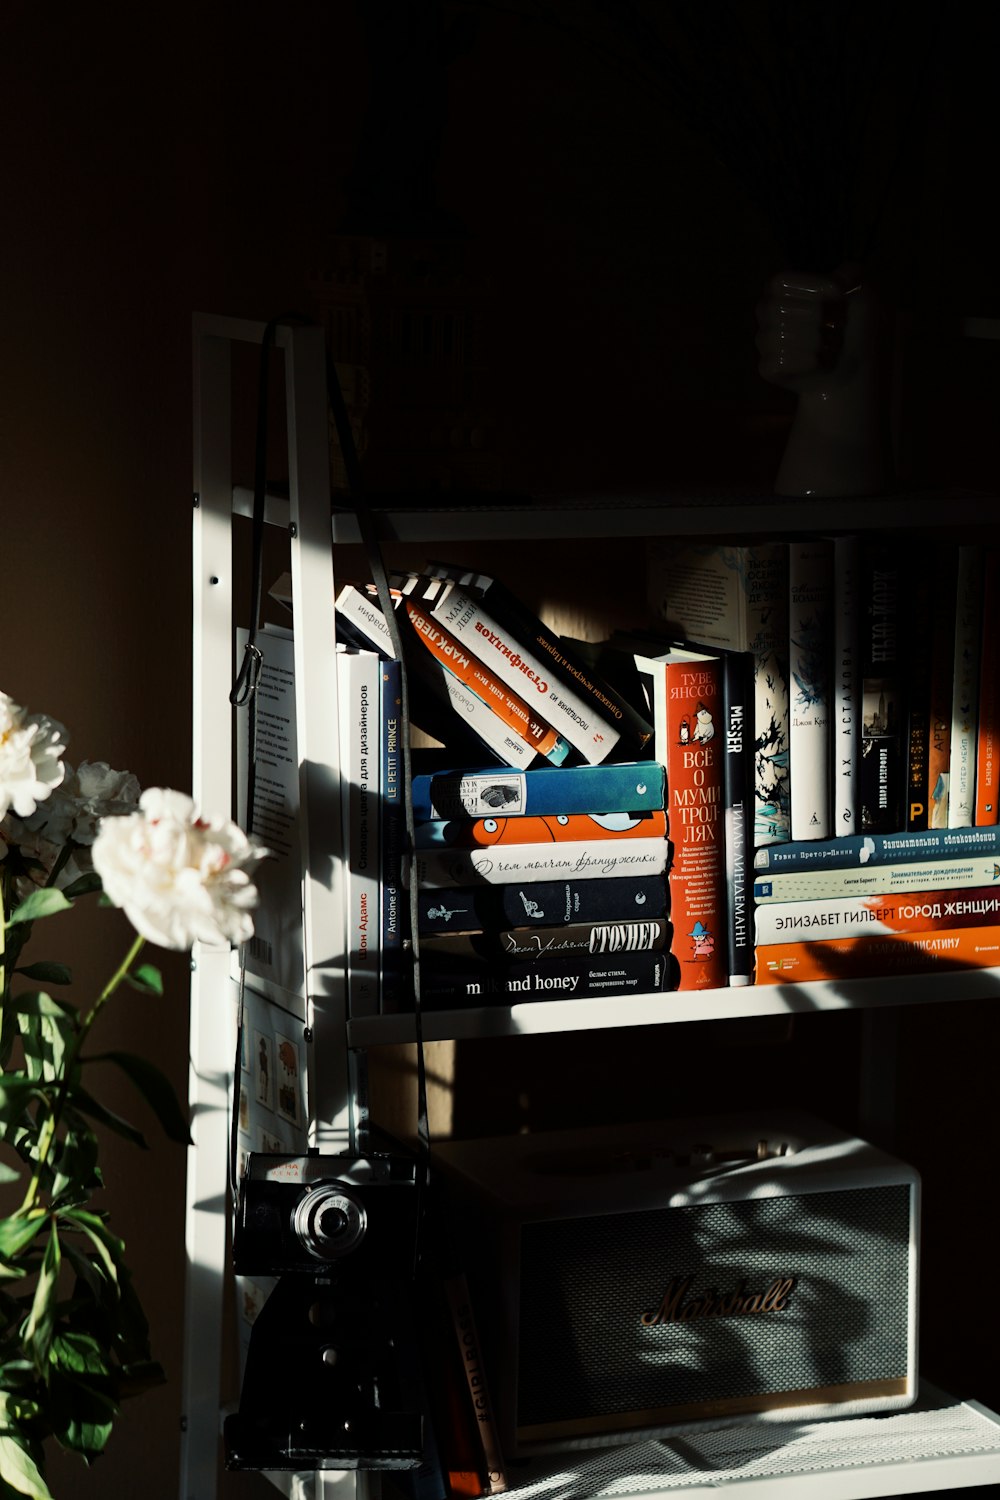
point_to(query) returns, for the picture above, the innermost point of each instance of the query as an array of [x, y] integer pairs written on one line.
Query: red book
[[987, 749], [685, 700]]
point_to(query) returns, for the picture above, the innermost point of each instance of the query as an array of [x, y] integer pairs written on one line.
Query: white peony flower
[[178, 878], [94, 792], [31, 747], [71, 814]]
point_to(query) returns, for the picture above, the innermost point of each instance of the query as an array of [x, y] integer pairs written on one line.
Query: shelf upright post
[[317, 733], [213, 989], [212, 1043]]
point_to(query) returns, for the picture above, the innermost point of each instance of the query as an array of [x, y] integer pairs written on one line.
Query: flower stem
[[47, 1134]]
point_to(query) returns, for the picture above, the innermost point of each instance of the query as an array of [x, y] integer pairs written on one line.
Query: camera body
[[316, 1212], [332, 1377]]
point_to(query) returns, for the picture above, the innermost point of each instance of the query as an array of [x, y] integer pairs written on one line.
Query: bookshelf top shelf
[[602, 1013], [647, 515]]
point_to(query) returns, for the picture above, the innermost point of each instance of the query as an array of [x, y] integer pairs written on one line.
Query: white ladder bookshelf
[[943, 1443]]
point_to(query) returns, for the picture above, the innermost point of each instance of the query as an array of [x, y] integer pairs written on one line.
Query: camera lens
[[329, 1222]]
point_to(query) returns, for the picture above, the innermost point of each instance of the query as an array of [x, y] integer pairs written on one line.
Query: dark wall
[[200, 157]]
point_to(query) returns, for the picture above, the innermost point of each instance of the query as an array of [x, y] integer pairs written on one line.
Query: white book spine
[[511, 663], [275, 950], [965, 694], [874, 916], [846, 685], [493, 732], [764, 580], [360, 736], [355, 606], [810, 589], [439, 869]]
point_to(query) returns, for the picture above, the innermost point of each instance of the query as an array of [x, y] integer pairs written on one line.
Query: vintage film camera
[[332, 1374]]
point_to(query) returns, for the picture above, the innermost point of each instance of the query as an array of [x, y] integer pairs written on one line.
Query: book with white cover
[[275, 951], [810, 648], [965, 688]]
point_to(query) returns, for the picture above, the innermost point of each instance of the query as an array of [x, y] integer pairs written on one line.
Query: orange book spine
[[870, 957], [696, 876], [987, 748], [941, 669], [483, 833], [464, 1324], [510, 709]]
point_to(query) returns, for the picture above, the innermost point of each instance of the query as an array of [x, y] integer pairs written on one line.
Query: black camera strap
[[368, 528], [244, 695]]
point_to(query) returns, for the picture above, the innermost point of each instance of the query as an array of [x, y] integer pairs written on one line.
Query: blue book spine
[[878, 848], [391, 837], [542, 904], [633, 786]]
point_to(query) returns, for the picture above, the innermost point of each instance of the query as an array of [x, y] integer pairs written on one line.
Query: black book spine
[[573, 979], [919, 614], [882, 770], [545, 903]]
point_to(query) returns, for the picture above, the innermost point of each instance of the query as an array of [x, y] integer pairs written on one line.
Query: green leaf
[[88, 1105], [155, 1088], [82, 1412], [93, 1275], [38, 1003], [17, 1091], [17, 1232], [19, 1470], [83, 885], [45, 1038], [109, 1248], [147, 979], [8, 1174], [79, 1354], [42, 903], [77, 1173], [40, 1324], [48, 973]]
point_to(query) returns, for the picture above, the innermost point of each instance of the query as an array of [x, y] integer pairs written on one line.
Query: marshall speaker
[[649, 1278]]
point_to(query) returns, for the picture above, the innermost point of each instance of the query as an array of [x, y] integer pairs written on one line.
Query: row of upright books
[[876, 675], [615, 819], [875, 681]]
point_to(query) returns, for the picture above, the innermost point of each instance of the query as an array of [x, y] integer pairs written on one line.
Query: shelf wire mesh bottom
[[764, 1451]]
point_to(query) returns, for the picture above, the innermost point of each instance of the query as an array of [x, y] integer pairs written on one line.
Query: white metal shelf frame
[[213, 991], [874, 994], [307, 515]]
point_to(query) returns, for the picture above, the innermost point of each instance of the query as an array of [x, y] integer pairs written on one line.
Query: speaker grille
[[584, 1351]]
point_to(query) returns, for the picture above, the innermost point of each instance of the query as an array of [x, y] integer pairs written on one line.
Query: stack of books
[[541, 876], [541, 884], [878, 904]]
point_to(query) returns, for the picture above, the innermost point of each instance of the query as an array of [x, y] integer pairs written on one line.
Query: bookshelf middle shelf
[[676, 1007]]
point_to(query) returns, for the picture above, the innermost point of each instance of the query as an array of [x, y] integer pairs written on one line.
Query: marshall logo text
[[676, 1307]]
